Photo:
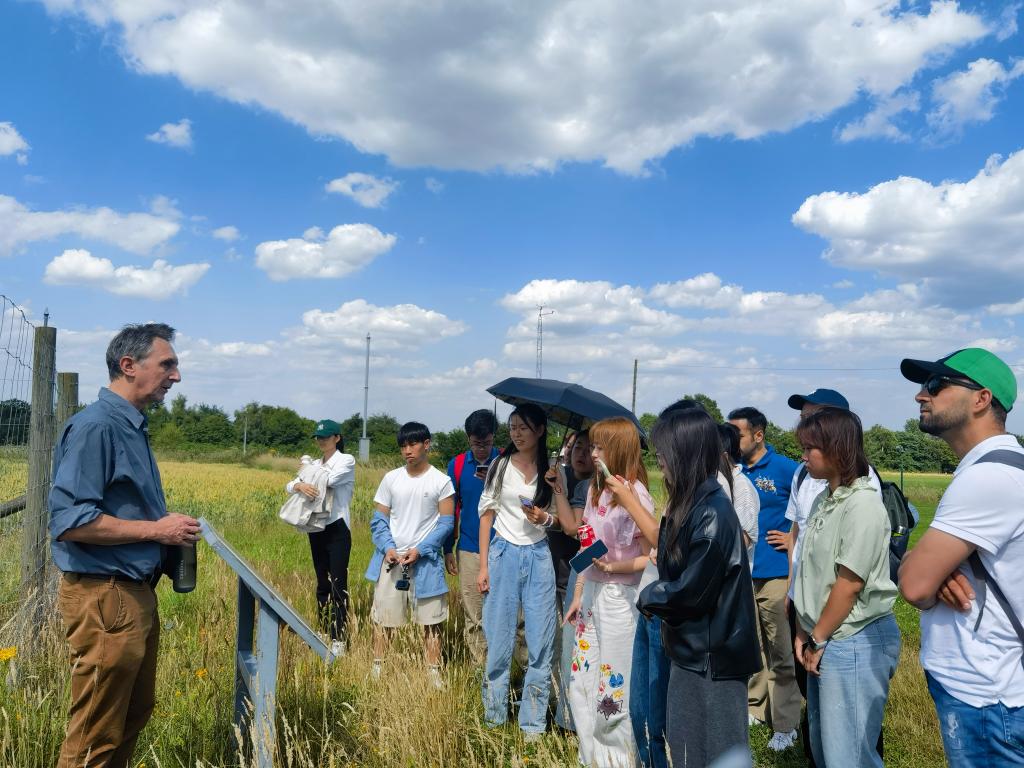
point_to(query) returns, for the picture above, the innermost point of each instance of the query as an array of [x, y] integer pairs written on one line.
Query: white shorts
[[393, 607]]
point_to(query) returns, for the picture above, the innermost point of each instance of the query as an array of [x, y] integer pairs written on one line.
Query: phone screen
[[526, 502]]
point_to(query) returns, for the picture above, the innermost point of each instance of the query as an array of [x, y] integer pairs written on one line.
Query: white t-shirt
[[510, 522], [984, 505], [801, 504], [341, 480], [747, 504], [413, 503]]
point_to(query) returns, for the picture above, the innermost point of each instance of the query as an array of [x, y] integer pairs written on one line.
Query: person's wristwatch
[[814, 645]]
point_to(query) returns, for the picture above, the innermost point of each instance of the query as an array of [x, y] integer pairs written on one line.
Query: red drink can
[[586, 535]]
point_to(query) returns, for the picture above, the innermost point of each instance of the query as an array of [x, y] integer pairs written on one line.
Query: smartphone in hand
[[526, 502]]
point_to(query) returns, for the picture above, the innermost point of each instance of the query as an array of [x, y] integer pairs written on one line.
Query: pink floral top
[[613, 525]]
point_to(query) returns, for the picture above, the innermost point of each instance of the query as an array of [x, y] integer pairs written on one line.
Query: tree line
[[203, 428]]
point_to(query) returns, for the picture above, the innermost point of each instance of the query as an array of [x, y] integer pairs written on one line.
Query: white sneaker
[[752, 721], [436, 681], [375, 670], [338, 648], [531, 736], [782, 741]]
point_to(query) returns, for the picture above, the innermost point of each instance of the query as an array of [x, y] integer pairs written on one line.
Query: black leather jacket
[[704, 594]]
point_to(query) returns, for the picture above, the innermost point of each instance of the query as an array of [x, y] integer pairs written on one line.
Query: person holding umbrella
[[516, 571]]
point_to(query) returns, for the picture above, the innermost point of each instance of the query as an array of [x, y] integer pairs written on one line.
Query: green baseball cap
[[326, 428], [978, 365]]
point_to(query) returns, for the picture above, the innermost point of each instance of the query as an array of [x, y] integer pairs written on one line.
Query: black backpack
[[901, 519]]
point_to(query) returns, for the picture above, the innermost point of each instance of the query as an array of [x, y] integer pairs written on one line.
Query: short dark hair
[[481, 423], [838, 434], [998, 412], [685, 404], [729, 434], [753, 417], [412, 432], [135, 341]]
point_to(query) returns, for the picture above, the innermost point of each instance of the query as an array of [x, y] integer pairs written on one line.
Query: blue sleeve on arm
[[380, 531], [84, 470], [438, 534]]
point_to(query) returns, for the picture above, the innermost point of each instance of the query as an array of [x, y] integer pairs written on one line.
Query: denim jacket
[[428, 571]]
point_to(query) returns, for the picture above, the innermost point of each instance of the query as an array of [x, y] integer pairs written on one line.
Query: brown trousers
[[114, 632], [772, 693]]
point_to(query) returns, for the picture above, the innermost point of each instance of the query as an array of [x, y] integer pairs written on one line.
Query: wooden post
[[67, 400], [40, 458], [634, 387]]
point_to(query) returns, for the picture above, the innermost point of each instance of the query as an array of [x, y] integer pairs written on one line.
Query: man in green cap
[[964, 574]]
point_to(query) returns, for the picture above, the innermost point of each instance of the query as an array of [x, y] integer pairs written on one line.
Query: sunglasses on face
[[935, 384]]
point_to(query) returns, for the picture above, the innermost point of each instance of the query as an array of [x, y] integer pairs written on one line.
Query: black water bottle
[[183, 576]]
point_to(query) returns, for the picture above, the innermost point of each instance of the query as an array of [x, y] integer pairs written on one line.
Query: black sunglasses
[[936, 383]]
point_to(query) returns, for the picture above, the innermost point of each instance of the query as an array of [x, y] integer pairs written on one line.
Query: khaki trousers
[[114, 633], [772, 694], [473, 611]]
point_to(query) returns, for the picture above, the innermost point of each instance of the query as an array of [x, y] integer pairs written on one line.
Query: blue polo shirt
[[469, 489], [103, 466], [772, 476]]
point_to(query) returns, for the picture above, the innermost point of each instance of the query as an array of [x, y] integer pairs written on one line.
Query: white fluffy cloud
[[12, 143], [369, 191], [971, 95], [228, 234], [573, 80], [347, 248], [160, 281], [403, 326], [880, 122], [960, 240], [177, 134], [135, 232], [704, 290]]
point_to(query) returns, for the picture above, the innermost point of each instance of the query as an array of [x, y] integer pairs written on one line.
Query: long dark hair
[[537, 420], [837, 433], [688, 445]]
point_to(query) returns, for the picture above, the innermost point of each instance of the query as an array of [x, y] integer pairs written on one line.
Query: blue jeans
[[978, 736], [846, 701], [648, 691], [521, 576]]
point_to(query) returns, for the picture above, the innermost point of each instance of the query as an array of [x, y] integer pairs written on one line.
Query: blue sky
[[751, 199]]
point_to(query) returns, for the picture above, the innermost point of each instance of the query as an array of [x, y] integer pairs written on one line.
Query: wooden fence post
[[40, 457], [67, 400]]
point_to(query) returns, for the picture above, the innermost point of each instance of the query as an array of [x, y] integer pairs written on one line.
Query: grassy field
[[330, 716]]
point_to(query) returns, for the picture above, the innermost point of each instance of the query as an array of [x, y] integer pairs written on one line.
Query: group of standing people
[[677, 636]]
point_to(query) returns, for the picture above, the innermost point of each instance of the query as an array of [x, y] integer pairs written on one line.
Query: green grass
[[335, 716]]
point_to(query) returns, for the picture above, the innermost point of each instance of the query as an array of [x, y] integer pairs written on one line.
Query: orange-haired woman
[[603, 609]]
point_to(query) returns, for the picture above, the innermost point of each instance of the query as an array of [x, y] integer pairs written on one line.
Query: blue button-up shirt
[[772, 476], [468, 489], [103, 466]]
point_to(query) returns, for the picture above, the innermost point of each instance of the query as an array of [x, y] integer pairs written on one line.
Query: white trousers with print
[[601, 665]]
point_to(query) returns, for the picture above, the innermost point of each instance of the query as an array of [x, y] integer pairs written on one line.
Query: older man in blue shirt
[[108, 520]]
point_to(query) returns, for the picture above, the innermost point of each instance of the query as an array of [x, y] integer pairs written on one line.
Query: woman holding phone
[[516, 571], [603, 610]]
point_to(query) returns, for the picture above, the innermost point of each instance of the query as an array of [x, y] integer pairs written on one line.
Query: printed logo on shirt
[[766, 484]]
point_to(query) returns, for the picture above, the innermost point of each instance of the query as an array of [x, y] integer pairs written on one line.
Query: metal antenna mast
[[541, 314]]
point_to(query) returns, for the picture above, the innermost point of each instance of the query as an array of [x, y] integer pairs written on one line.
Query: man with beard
[[964, 573]]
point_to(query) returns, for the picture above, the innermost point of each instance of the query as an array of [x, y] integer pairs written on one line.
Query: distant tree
[[647, 421], [381, 429], [208, 425], [709, 405], [274, 427], [783, 441], [168, 436], [15, 416], [449, 444]]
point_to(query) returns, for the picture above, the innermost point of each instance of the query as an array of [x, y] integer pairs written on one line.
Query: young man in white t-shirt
[[415, 514], [970, 650]]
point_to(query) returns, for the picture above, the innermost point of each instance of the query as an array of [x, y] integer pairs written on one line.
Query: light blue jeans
[[521, 576], [846, 702], [976, 736]]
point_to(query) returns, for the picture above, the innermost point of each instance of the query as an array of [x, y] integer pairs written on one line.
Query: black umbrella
[[573, 406]]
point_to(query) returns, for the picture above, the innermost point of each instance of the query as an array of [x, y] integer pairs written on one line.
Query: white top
[[413, 503], [510, 522], [341, 480], [984, 505], [747, 504], [801, 504]]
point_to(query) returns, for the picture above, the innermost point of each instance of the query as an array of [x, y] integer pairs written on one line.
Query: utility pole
[[364, 441], [634, 386], [541, 314], [245, 431]]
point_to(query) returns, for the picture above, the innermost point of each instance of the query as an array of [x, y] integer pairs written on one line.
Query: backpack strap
[[1013, 459], [984, 578], [801, 477]]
